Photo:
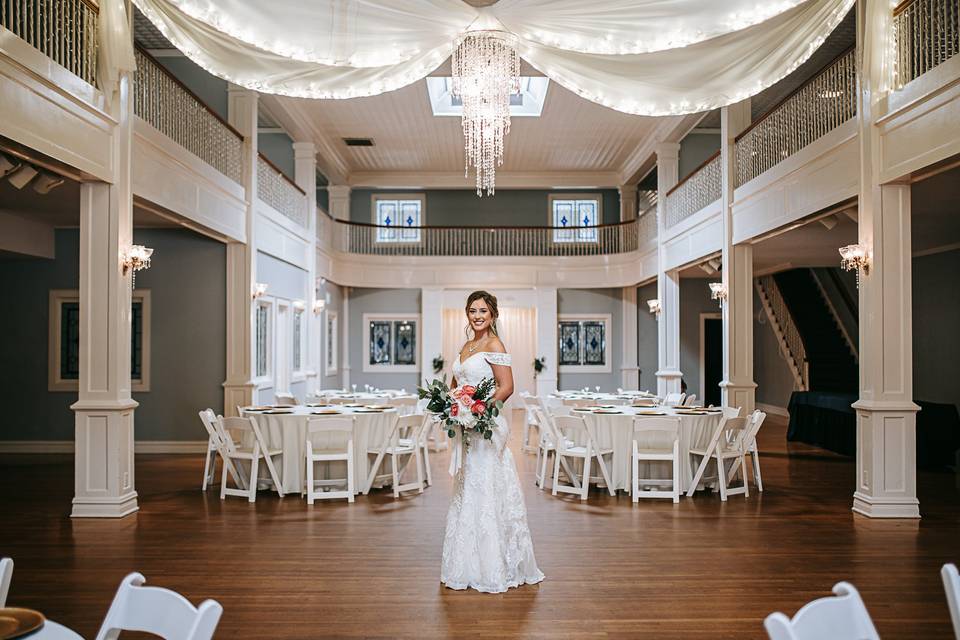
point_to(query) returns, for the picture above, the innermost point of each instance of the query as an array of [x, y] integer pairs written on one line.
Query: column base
[[668, 381], [739, 394], [630, 377], [105, 507], [237, 394], [873, 507]]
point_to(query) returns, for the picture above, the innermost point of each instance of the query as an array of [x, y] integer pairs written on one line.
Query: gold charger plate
[[327, 412], [16, 622], [583, 409], [651, 413], [315, 405], [279, 411], [379, 407], [367, 410], [607, 411], [352, 405], [256, 408], [691, 413]]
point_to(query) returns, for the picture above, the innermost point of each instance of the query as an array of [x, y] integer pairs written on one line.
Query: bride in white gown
[[487, 545]]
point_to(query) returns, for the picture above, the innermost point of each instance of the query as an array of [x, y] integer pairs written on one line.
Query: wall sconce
[[259, 289], [718, 292], [855, 256], [299, 305], [654, 306], [319, 306], [135, 258]]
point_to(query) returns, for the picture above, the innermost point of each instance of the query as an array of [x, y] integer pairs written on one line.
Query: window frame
[[392, 318], [298, 373], [551, 198], [376, 197], [607, 320], [332, 346], [264, 380], [56, 299]]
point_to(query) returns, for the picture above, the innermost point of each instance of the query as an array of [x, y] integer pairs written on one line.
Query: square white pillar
[[630, 368], [668, 282]]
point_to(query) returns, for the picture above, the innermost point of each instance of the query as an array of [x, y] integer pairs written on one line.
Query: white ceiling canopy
[[643, 57]]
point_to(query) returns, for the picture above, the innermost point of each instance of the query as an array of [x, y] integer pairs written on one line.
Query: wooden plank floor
[[614, 569]]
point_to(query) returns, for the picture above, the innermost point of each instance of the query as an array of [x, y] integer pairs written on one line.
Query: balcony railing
[[280, 192], [175, 111], [926, 33], [370, 239], [63, 30], [822, 104], [693, 193], [647, 226]]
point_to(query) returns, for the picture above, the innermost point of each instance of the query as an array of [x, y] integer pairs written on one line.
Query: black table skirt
[[827, 420]]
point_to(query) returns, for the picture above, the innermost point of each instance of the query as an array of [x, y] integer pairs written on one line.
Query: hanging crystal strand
[[486, 71]]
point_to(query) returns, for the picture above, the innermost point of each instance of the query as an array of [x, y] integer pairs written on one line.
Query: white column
[[630, 368], [238, 388], [547, 338], [628, 202], [305, 175], [431, 330], [668, 282], [737, 388], [339, 201], [345, 340], [103, 412], [886, 481]]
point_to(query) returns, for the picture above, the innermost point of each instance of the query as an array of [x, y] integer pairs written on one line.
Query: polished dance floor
[[282, 569]]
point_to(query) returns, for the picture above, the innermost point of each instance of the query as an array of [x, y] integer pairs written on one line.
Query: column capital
[[304, 150], [669, 150]]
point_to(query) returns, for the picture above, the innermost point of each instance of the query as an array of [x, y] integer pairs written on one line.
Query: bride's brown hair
[[491, 301]]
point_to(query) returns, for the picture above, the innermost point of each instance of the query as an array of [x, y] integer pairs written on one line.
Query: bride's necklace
[[471, 349]]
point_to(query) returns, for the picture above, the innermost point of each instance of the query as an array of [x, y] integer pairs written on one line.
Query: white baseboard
[[66, 446], [773, 409]]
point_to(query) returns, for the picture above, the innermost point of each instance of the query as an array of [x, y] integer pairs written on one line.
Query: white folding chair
[[842, 617], [750, 449], [323, 453], [234, 450], [574, 403], [405, 406], [424, 444], [158, 611], [644, 450], [726, 443], [6, 574], [566, 428], [951, 585], [282, 397], [215, 448], [530, 420], [674, 399], [690, 400], [547, 443], [400, 451]]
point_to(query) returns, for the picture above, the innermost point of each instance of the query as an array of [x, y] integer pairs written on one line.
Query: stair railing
[[836, 317], [788, 336]]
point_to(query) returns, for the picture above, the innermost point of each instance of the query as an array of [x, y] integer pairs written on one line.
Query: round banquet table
[[600, 398], [615, 430], [53, 631], [287, 432]]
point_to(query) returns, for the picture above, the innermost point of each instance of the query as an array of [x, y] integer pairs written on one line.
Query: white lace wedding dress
[[487, 545]]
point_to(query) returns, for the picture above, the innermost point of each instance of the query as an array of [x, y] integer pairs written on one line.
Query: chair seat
[[394, 450], [726, 453], [582, 450], [655, 454], [329, 452], [247, 454]]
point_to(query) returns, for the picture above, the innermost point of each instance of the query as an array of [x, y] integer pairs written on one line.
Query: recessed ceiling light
[[529, 102]]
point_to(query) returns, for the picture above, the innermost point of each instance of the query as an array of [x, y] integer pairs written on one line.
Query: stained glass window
[[70, 341], [393, 342], [398, 220], [136, 337], [380, 352], [332, 339], [582, 342], [297, 339], [263, 335], [575, 219], [405, 341]]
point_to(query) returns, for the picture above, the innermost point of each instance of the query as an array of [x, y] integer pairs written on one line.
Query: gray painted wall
[[364, 300], [647, 345], [333, 294], [694, 300], [188, 338], [936, 319], [694, 149], [460, 207], [278, 147], [770, 371], [595, 301]]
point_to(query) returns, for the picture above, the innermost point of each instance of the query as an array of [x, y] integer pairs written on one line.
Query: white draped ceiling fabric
[[644, 57]]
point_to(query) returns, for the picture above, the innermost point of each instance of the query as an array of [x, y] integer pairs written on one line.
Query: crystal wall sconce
[[855, 257], [718, 292], [654, 306], [259, 289], [134, 259]]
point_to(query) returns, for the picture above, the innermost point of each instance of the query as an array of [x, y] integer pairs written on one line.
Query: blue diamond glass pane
[[569, 333], [594, 343], [405, 339], [380, 342], [70, 341]]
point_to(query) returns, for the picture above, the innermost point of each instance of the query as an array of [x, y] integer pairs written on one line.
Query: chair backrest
[[6, 573], [209, 419], [338, 423], [735, 434], [674, 399], [690, 400], [756, 421], [282, 397], [661, 424], [158, 611], [410, 426], [579, 402], [403, 401], [232, 423], [951, 584], [731, 412], [566, 428], [843, 617]]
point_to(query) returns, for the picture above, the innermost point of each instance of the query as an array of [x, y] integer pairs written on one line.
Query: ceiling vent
[[358, 142]]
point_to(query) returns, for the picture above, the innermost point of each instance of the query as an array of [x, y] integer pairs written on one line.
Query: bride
[[487, 545]]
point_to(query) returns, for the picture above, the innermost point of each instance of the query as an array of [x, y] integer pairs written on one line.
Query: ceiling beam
[[505, 179], [301, 128]]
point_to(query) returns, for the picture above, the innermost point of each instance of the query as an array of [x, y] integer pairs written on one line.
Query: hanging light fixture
[[486, 71]]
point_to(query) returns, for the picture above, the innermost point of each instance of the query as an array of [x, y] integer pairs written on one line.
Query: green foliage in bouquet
[[447, 405]]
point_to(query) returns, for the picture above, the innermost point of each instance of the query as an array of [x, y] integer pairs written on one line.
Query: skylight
[[529, 102]]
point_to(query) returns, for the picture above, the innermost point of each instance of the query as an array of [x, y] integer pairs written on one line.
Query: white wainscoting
[[281, 237], [694, 238], [818, 176], [47, 108], [171, 177]]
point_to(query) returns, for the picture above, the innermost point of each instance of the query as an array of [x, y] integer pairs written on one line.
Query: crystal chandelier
[[486, 71]]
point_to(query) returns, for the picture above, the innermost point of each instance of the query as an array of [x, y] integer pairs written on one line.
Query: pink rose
[[456, 393], [454, 409], [468, 390], [479, 407]]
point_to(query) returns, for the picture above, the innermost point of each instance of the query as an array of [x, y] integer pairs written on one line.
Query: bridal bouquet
[[467, 407]]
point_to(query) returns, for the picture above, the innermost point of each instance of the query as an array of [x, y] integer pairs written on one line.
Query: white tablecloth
[[616, 431], [287, 431], [53, 631], [598, 398]]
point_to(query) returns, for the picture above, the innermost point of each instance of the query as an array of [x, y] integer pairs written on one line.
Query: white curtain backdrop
[[646, 57], [518, 331]]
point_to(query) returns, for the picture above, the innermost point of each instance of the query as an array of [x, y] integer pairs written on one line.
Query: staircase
[[788, 336], [832, 365]]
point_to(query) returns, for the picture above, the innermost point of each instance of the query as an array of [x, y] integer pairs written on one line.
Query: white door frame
[[283, 347], [703, 378]]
